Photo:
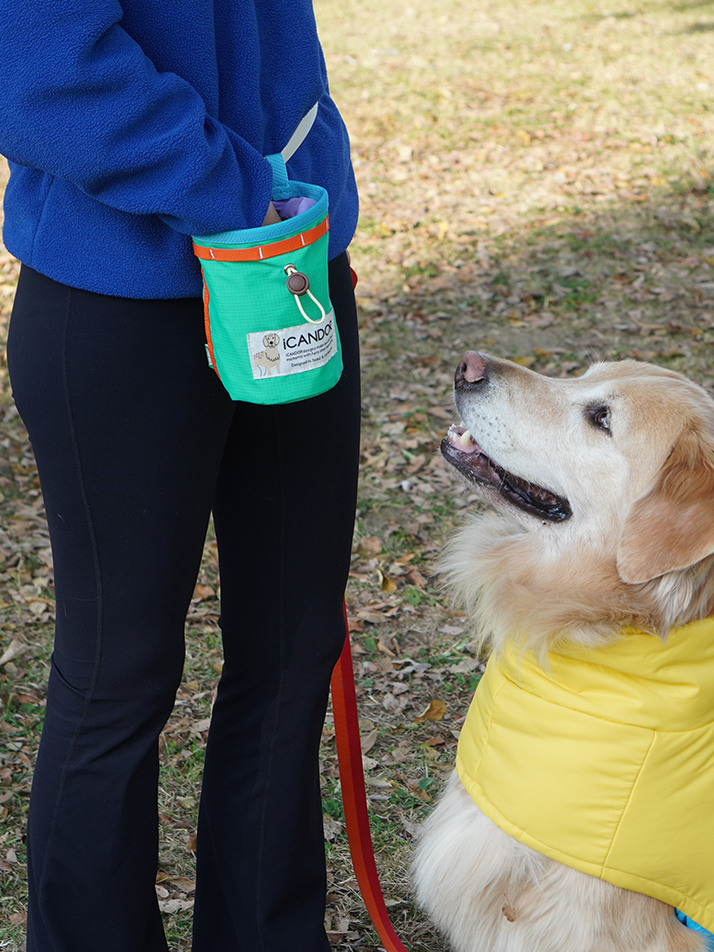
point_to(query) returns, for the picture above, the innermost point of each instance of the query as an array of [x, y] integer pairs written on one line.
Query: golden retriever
[[600, 517]]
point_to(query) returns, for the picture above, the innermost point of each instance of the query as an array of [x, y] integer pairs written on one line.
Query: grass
[[537, 179]]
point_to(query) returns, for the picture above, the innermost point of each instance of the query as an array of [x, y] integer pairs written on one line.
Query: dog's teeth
[[466, 439]]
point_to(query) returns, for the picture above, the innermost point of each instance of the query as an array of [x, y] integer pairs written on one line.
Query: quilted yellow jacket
[[604, 760]]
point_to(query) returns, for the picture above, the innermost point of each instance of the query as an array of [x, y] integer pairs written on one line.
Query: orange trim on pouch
[[259, 252], [207, 326]]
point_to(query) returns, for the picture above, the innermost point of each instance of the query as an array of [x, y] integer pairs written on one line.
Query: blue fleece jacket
[[131, 126]]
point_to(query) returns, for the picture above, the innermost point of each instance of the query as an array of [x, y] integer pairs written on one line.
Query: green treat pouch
[[271, 334]]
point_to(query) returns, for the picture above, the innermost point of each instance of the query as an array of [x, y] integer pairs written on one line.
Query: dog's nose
[[471, 371]]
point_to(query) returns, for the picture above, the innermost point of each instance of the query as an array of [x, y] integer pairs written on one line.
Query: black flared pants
[[137, 444]]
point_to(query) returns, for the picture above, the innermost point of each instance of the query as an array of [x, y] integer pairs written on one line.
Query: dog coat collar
[[690, 924], [604, 760]]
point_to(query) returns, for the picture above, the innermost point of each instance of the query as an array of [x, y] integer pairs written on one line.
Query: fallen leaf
[[200, 727], [434, 712], [368, 741], [388, 584], [170, 906], [21, 698], [370, 546], [201, 592], [331, 827], [14, 649]]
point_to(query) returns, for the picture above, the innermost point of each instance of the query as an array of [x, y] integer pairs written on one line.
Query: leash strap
[[354, 798], [300, 134], [278, 161]]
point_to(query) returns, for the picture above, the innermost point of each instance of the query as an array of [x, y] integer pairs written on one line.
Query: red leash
[[354, 798]]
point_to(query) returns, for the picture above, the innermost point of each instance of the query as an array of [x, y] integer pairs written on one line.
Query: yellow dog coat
[[604, 760]]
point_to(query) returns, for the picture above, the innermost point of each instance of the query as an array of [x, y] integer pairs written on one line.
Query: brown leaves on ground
[[536, 180]]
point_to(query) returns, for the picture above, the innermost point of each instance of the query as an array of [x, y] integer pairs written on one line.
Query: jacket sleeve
[[80, 100]]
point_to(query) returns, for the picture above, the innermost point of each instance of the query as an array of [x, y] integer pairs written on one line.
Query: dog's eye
[[599, 416]]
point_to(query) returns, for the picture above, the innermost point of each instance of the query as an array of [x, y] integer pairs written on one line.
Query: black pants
[[136, 444]]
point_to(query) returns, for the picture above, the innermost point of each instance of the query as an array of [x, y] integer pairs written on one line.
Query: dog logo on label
[[267, 362]]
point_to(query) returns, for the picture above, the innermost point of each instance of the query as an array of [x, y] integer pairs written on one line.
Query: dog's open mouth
[[462, 451]]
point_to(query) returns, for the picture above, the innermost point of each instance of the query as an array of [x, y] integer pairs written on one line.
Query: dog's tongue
[[460, 437]]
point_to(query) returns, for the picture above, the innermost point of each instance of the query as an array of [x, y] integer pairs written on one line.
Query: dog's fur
[[627, 452]]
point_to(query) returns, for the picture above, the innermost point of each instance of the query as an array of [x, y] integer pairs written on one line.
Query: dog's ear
[[671, 526]]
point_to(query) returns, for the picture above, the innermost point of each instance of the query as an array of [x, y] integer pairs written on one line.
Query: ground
[[535, 181]]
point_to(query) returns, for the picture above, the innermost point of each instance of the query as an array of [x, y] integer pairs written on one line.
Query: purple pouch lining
[[290, 207]]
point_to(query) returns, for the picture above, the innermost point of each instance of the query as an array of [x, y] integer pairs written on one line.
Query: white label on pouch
[[292, 350]]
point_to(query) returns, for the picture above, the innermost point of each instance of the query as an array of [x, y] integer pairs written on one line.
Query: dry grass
[[535, 180]]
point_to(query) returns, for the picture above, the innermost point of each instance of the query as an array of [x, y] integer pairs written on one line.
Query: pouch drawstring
[[298, 284]]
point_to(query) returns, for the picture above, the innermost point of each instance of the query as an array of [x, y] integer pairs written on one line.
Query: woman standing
[[129, 127]]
